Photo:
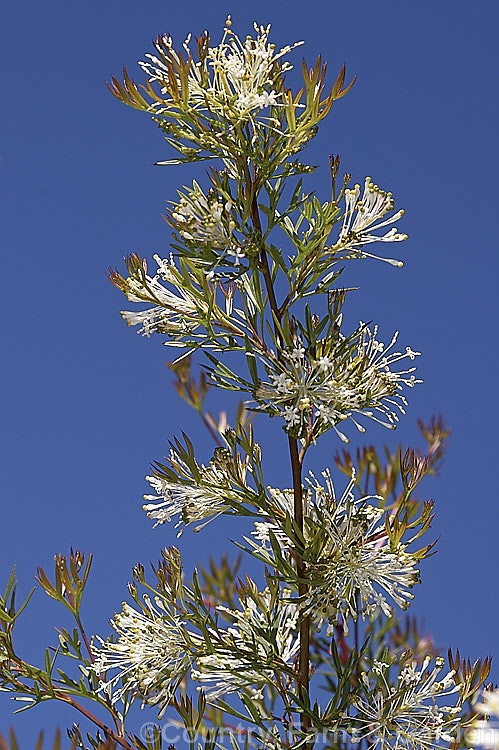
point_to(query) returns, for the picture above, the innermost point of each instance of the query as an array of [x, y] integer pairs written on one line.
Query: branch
[[296, 465]]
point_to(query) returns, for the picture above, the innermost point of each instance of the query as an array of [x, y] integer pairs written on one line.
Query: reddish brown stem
[[65, 698], [210, 429], [304, 655], [264, 264], [296, 467], [119, 738]]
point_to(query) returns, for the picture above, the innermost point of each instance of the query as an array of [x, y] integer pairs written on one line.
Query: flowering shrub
[[254, 271]]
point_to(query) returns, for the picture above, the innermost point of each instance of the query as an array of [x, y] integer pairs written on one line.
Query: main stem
[[296, 468], [304, 654]]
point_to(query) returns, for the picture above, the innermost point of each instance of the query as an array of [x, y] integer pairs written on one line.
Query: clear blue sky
[[87, 404]]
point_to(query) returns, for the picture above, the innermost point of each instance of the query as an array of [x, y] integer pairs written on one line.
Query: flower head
[[354, 567], [319, 393], [363, 217], [192, 502], [235, 79], [203, 219], [195, 492], [483, 731], [406, 715], [204, 97], [174, 312], [150, 653], [356, 560], [263, 638], [490, 703], [187, 305], [205, 223]]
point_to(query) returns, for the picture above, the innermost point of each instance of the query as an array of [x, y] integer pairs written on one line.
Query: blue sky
[[87, 404]]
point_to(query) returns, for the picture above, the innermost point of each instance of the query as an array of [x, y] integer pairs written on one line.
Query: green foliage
[[313, 646]]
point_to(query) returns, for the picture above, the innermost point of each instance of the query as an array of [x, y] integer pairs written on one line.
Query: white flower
[[174, 313], [356, 560], [265, 632], [333, 388], [484, 732], [364, 216], [149, 653], [406, 715], [150, 321], [355, 567], [206, 222], [490, 703], [204, 218], [192, 502], [235, 79], [195, 494]]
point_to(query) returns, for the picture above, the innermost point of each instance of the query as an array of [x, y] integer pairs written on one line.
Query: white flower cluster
[[194, 500], [406, 715], [361, 217], [175, 313], [235, 79], [265, 633], [206, 220], [357, 559], [355, 567], [154, 651], [149, 653], [331, 390], [484, 732]]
